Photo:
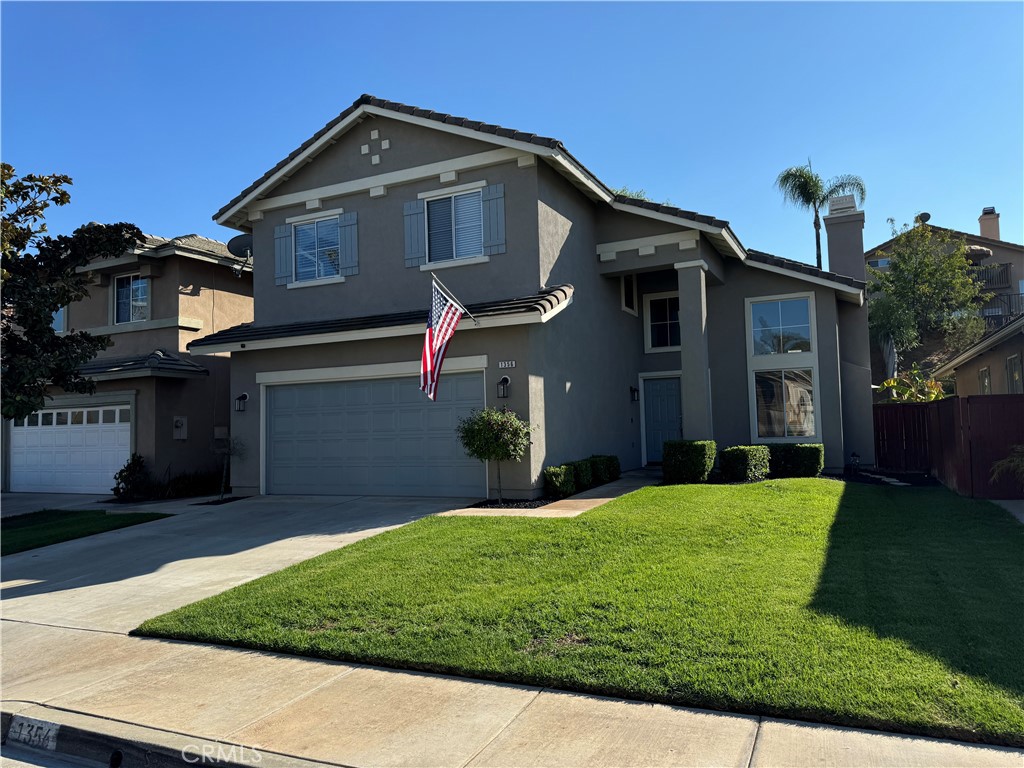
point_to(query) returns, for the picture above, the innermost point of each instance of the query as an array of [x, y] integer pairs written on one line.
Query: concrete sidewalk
[[179, 694]]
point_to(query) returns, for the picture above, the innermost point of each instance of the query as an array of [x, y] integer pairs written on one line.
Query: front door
[[663, 415]]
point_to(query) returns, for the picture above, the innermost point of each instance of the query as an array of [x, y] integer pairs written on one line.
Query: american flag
[[441, 324]]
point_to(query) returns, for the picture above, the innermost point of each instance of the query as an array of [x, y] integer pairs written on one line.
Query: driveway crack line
[[504, 728], [63, 626], [753, 745]]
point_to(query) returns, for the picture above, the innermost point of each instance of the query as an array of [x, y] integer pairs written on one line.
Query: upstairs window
[[780, 327], [59, 323], [455, 227], [131, 299], [985, 381], [317, 249]]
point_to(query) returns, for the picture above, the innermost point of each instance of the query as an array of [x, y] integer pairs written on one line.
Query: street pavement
[[67, 659]]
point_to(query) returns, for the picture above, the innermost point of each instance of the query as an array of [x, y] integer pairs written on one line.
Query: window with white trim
[[317, 249], [985, 381], [59, 323], [131, 299], [661, 322], [455, 227], [1014, 375], [782, 364]]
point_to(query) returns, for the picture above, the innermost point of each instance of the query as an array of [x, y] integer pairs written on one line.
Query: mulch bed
[[215, 502], [513, 503]]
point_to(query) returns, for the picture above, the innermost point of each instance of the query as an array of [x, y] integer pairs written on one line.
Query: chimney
[[844, 227], [988, 223]]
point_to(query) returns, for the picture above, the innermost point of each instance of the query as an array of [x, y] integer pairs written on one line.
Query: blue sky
[[163, 112]]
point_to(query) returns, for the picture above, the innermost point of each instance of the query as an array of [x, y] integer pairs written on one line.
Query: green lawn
[[898, 608], [51, 526]]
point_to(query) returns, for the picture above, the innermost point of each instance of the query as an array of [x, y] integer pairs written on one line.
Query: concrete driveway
[[114, 581]]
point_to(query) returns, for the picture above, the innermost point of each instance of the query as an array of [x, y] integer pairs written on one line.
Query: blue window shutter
[[494, 219], [415, 233], [282, 254], [349, 261]]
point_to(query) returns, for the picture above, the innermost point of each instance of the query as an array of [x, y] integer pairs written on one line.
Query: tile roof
[[157, 362], [541, 302], [970, 237], [671, 210], [192, 242], [806, 269]]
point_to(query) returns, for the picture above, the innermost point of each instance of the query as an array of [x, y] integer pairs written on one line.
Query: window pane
[[673, 309], [123, 299], [673, 333], [770, 395], [659, 335], [767, 341], [796, 338], [77, 417], [659, 311], [33, 419], [628, 288], [109, 416], [795, 312], [61, 418], [58, 319], [46, 420], [124, 415], [440, 246], [469, 225], [328, 248], [92, 417], [140, 298], [799, 403], [765, 314]]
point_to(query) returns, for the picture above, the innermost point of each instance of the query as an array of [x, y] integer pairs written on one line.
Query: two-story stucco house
[[611, 324], [151, 397]]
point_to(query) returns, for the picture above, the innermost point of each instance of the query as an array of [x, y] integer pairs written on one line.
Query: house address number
[[506, 363]]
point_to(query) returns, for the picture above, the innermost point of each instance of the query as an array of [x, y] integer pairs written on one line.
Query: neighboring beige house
[[994, 365], [611, 324], [151, 397]]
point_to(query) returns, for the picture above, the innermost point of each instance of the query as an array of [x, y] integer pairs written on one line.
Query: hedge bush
[[744, 463], [688, 461], [796, 459], [559, 481], [606, 469], [582, 474]]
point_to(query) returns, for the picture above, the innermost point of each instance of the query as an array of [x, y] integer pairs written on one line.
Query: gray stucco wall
[[384, 284]]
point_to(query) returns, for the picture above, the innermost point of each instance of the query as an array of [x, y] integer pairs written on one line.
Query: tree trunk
[[817, 235], [498, 465]]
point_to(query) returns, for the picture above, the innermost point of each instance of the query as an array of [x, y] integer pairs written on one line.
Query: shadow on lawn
[[937, 571]]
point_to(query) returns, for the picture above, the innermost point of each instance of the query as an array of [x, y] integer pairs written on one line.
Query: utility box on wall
[[180, 428]]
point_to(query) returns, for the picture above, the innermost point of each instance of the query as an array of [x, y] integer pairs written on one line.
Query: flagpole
[[451, 297]]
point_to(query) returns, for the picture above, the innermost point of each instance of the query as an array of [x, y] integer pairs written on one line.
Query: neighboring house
[[999, 265], [611, 324], [151, 397], [992, 366]]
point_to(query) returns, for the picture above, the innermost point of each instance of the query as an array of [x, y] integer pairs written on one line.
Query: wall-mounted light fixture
[[241, 400], [634, 395], [503, 383]]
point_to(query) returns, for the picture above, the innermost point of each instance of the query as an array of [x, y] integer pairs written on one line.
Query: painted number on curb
[[33, 733]]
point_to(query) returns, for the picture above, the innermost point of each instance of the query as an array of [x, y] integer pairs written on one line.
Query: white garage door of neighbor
[[372, 437], [70, 450]]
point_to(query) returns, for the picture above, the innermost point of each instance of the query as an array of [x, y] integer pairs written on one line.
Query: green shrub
[[582, 474], [131, 482], [796, 459], [559, 481], [606, 469], [744, 463], [688, 461]]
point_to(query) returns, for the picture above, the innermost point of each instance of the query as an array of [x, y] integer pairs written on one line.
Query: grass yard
[[862, 605], [51, 526]]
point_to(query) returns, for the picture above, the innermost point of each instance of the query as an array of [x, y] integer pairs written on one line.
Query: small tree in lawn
[[494, 435]]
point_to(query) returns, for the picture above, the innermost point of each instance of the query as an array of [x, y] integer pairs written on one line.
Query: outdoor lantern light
[[503, 383], [241, 400], [634, 395]]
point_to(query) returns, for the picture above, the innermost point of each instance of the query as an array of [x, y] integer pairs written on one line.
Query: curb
[[125, 745]]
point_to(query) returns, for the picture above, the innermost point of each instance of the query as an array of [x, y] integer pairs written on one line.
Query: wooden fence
[[956, 440]]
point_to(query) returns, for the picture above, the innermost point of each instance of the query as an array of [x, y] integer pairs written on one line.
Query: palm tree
[[802, 186]]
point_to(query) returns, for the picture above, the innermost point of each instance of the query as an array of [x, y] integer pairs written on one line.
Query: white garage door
[[373, 437], [73, 450]]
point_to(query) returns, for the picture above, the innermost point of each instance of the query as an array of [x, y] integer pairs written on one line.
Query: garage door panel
[[70, 452], [372, 437]]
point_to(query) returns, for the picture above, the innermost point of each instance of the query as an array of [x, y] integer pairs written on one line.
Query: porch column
[[693, 344]]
